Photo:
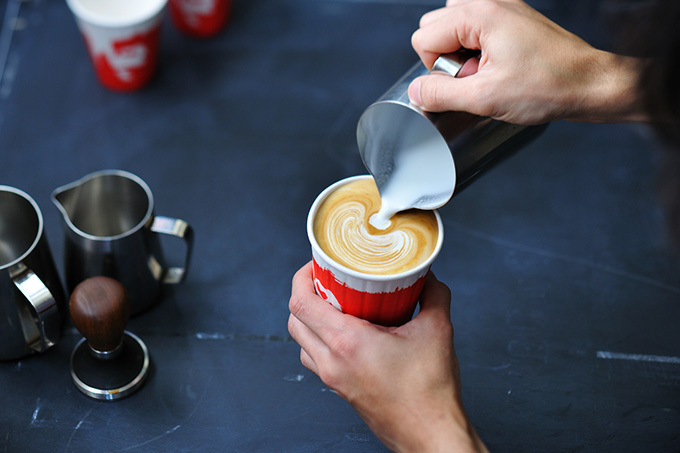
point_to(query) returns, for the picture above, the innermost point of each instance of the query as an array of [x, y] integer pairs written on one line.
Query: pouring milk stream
[[417, 180]]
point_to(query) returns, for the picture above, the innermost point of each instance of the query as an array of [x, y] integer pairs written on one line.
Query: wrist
[[451, 430], [611, 91]]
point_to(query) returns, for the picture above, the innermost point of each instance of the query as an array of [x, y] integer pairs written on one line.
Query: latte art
[[343, 231]]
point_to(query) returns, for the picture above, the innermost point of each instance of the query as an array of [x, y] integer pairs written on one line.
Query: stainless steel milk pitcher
[[32, 304], [451, 146], [111, 230]]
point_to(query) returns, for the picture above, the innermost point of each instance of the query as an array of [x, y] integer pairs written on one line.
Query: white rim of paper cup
[[363, 275], [148, 10]]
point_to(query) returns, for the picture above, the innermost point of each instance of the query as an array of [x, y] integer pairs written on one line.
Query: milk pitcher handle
[[451, 63], [42, 309], [182, 230]]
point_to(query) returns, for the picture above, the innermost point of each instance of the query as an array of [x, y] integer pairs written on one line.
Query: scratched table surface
[[566, 293]]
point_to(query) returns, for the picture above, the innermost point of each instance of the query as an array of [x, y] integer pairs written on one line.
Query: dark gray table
[[566, 296]]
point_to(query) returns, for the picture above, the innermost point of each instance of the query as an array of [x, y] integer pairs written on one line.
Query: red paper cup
[[200, 18], [122, 38], [389, 300]]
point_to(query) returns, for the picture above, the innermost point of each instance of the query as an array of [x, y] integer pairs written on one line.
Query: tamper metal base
[[111, 379]]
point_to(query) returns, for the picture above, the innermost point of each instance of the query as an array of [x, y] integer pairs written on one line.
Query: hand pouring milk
[[418, 158]]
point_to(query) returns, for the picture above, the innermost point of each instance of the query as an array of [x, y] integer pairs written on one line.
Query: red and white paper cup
[[122, 38], [388, 300], [200, 18]]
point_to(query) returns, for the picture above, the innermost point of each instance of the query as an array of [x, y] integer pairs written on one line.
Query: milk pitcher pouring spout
[[111, 230], [431, 154]]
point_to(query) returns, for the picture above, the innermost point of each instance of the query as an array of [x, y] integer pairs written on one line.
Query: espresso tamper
[[109, 363]]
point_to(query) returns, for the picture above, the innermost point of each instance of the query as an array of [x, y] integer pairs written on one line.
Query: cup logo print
[[326, 294], [387, 305], [125, 60], [193, 9]]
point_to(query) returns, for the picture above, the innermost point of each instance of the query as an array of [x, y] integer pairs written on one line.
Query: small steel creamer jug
[[111, 230]]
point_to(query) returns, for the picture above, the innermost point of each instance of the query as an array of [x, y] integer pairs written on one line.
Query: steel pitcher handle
[[451, 63], [42, 308], [182, 230]]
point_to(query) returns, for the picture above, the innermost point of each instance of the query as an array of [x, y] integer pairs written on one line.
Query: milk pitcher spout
[[111, 230]]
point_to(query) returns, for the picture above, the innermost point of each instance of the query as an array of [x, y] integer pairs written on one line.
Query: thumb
[[435, 298], [443, 93]]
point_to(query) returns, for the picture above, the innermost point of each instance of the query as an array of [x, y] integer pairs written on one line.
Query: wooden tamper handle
[[100, 311], [110, 363]]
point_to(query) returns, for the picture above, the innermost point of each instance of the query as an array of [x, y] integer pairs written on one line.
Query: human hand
[[403, 381], [530, 70]]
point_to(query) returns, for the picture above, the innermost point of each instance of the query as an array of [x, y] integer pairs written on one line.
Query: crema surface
[[343, 231]]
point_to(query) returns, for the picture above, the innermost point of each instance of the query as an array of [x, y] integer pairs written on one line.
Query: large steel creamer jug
[[432, 153]]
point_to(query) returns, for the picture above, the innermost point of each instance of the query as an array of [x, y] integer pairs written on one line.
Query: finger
[[432, 16], [427, 52], [302, 280], [457, 2], [303, 294], [470, 67], [307, 339], [446, 32], [316, 314], [308, 362], [441, 93]]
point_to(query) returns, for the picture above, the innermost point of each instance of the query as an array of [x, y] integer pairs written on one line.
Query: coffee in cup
[[343, 230]]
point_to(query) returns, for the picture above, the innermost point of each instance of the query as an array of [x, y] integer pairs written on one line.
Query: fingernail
[[414, 92]]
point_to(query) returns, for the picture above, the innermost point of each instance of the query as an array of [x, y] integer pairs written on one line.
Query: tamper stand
[[109, 363]]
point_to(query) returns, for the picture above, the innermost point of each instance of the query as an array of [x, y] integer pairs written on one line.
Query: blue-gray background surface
[[557, 259]]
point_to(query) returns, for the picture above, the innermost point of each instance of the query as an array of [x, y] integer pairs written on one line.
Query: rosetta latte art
[[343, 231]]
